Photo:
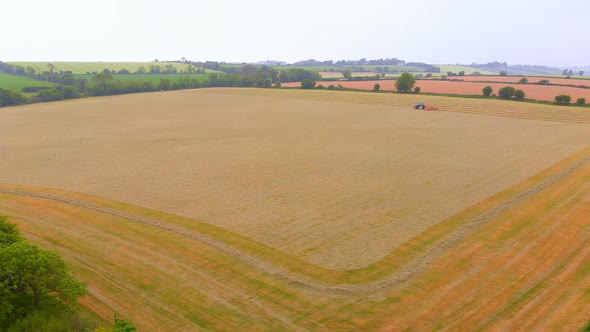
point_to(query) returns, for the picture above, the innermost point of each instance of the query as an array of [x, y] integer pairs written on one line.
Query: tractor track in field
[[396, 280]]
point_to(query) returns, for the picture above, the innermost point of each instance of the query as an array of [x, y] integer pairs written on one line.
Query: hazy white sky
[[547, 32]]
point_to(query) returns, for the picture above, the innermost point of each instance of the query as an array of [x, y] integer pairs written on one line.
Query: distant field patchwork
[[16, 83], [85, 67]]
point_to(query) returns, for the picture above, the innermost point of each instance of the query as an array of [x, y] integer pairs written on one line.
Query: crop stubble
[[335, 184]]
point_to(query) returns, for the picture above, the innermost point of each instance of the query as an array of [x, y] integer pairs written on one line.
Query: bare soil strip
[[396, 280]]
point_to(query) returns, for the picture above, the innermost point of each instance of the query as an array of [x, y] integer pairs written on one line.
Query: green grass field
[[16, 83], [84, 67], [468, 70], [154, 78]]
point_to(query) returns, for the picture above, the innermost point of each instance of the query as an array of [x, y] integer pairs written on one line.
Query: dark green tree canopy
[[506, 92], [9, 234], [308, 84], [405, 83]]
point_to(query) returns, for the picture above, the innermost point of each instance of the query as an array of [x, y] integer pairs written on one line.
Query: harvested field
[[533, 91], [335, 179], [517, 260]]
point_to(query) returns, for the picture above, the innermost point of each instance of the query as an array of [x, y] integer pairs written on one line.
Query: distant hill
[[98, 66], [497, 67]]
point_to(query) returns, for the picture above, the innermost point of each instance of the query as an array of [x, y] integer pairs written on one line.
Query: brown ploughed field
[[532, 91], [516, 79], [309, 210]]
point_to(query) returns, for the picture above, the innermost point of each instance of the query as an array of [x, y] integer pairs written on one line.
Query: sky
[[541, 32]]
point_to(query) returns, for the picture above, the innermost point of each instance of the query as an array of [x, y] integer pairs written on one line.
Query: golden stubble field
[[338, 184]]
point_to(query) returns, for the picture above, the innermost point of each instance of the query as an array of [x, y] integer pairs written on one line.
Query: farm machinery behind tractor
[[422, 106]]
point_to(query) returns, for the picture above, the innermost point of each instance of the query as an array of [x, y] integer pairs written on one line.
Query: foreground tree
[[487, 91], [9, 234], [405, 83], [34, 273]]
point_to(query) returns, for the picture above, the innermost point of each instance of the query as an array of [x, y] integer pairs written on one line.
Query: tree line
[[103, 84], [54, 76]]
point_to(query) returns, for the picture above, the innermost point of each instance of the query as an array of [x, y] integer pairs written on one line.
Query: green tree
[[140, 70], [124, 325], [417, 89], [405, 83], [164, 84], [487, 91], [308, 84], [71, 92], [563, 99], [9, 97], [462, 73], [581, 73], [347, 73], [503, 73], [101, 83], [581, 101], [523, 80], [519, 94], [51, 67], [506, 92], [31, 71], [9, 234], [50, 95], [35, 273], [377, 87]]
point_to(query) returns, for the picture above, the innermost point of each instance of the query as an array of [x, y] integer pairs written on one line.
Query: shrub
[[71, 92], [519, 94], [30, 89], [308, 84], [377, 87], [563, 99], [443, 77], [417, 89], [503, 73], [9, 97], [543, 82], [50, 95], [523, 80], [506, 92], [277, 84], [319, 87], [487, 91], [581, 101], [331, 87]]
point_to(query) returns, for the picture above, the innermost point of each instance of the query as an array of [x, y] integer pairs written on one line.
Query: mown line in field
[[395, 280]]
